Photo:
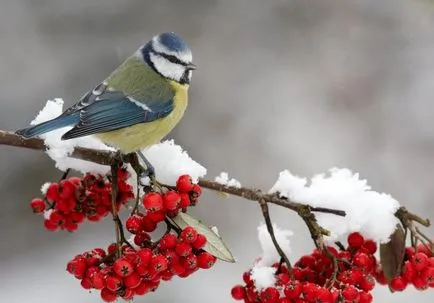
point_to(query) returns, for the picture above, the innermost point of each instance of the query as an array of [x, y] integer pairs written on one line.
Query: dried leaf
[[214, 244], [392, 254]]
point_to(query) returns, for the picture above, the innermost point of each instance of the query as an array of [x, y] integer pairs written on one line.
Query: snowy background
[[298, 84]]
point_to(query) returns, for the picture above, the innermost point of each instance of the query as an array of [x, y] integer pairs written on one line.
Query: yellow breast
[[139, 136]]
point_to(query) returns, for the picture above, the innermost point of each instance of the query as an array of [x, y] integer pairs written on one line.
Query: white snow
[[223, 179], [263, 277], [47, 214], [45, 187], [262, 272], [169, 160], [59, 150], [368, 211], [269, 253]]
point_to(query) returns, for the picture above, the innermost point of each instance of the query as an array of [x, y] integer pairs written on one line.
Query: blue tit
[[138, 104]]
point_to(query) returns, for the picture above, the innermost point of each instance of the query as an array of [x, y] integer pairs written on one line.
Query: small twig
[[65, 174], [114, 172], [269, 224], [340, 245]]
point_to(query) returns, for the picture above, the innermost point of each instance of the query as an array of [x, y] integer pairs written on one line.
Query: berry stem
[[65, 174], [114, 172], [269, 224]]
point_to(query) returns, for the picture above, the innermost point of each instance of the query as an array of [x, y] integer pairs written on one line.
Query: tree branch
[[112, 158]]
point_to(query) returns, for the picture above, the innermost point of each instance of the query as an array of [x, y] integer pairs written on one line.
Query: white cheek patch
[[160, 48], [166, 68]]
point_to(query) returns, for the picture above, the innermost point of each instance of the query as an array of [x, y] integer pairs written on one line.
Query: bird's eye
[[172, 59]]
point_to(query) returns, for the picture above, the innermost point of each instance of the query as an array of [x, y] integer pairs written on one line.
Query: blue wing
[[113, 110]]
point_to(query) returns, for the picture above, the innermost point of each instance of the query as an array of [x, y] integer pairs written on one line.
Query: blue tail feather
[[48, 126]]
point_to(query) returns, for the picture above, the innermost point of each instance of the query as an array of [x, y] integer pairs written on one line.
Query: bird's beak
[[191, 66]]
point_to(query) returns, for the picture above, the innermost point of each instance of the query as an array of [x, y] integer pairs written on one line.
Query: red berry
[[350, 293], [123, 267], [428, 275], [306, 261], [370, 246], [365, 297], [420, 283], [323, 296], [282, 279], [86, 283], [361, 260], [409, 252], [309, 291], [270, 295], [67, 189], [168, 241], [113, 283], [76, 217], [183, 249], [77, 267], [52, 194], [355, 240], [128, 294], [50, 225], [238, 292], [425, 248], [408, 272], [205, 260], [142, 289], [189, 262], [200, 242], [111, 249], [133, 280], [398, 284], [185, 200], [171, 200], [153, 202], [189, 234], [379, 276], [148, 225], [184, 184], [419, 261], [293, 290], [159, 263], [431, 261], [133, 224], [157, 216], [367, 283], [108, 296], [37, 205], [98, 281]]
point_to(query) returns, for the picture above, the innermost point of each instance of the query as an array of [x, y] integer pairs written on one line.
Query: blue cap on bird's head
[[170, 56]]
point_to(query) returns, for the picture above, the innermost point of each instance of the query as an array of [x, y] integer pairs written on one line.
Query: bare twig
[[114, 171], [269, 224]]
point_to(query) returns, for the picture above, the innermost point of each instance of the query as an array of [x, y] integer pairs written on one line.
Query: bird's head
[[169, 56]]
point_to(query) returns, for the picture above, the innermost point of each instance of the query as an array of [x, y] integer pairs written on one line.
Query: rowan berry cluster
[[69, 202], [327, 276], [138, 271], [418, 270], [158, 206]]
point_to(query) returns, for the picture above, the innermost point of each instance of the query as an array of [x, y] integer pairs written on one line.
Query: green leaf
[[214, 244], [392, 254]]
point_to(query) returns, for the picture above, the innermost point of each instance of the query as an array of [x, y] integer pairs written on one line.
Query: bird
[[137, 105]]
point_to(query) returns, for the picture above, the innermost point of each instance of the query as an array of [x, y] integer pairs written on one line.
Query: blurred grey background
[[298, 84]]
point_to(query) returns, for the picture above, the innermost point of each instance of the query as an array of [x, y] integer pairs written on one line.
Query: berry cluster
[[158, 206], [318, 279], [418, 270], [69, 202], [133, 270], [137, 272]]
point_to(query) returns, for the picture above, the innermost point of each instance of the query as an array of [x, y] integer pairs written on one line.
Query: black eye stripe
[[172, 59]]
